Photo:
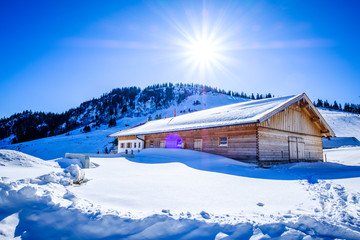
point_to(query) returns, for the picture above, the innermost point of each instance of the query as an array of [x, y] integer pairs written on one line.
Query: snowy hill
[[115, 105], [344, 124], [95, 141]]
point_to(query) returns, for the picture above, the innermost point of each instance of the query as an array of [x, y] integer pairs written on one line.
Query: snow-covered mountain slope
[[115, 105], [344, 124], [75, 141], [95, 141], [184, 194]]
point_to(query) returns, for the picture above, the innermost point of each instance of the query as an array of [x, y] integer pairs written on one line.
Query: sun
[[203, 43], [202, 51]]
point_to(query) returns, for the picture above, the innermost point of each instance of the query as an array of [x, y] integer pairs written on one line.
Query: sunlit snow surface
[[182, 194]]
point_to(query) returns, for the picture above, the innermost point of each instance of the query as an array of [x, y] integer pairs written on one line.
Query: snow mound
[[71, 175], [15, 158], [76, 173], [66, 162], [15, 165], [8, 226]]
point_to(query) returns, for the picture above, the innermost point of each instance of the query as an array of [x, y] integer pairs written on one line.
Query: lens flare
[[202, 51], [202, 42]]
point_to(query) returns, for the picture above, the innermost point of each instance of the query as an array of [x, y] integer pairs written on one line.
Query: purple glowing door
[[173, 141]]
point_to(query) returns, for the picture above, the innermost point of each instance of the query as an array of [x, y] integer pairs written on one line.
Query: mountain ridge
[[111, 106]]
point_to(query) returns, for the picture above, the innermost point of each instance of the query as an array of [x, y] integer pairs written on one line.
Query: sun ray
[[202, 42]]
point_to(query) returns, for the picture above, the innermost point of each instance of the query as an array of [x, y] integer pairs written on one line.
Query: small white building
[[130, 144]]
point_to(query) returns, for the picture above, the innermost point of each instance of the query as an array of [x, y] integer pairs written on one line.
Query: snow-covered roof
[[233, 114]]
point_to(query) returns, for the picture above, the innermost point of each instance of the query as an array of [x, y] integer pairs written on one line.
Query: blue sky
[[56, 54]]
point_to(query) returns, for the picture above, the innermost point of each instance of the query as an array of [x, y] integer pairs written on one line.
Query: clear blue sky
[[56, 54]]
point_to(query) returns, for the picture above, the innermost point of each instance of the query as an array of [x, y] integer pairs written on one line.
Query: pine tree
[[326, 104], [124, 109], [319, 103], [112, 122], [86, 129]]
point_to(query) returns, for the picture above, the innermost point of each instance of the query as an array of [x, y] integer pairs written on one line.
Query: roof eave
[[323, 121], [185, 129]]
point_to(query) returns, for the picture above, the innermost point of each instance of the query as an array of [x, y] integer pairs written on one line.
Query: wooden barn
[[266, 131]]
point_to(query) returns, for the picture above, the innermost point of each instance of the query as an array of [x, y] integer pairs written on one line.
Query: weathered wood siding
[[274, 146], [127, 138], [293, 119], [242, 144]]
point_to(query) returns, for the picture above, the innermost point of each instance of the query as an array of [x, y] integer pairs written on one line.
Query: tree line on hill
[[118, 103], [348, 107]]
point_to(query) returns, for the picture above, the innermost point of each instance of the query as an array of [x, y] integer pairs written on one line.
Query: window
[[135, 145], [128, 145], [122, 145], [139, 144], [223, 141], [151, 144]]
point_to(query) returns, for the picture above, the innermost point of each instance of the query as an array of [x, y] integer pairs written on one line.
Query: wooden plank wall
[[274, 145], [242, 144], [274, 135], [127, 138], [294, 119]]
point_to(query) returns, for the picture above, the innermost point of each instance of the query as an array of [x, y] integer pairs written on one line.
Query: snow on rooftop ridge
[[233, 114]]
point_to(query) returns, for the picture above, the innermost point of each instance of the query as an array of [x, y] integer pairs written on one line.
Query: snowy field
[[179, 194]]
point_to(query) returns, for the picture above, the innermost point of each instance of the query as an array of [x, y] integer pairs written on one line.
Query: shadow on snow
[[214, 163]]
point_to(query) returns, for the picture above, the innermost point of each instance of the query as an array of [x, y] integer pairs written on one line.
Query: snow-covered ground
[[180, 194]]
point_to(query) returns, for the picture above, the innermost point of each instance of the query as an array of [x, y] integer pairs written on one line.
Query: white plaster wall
[[139, 145]]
